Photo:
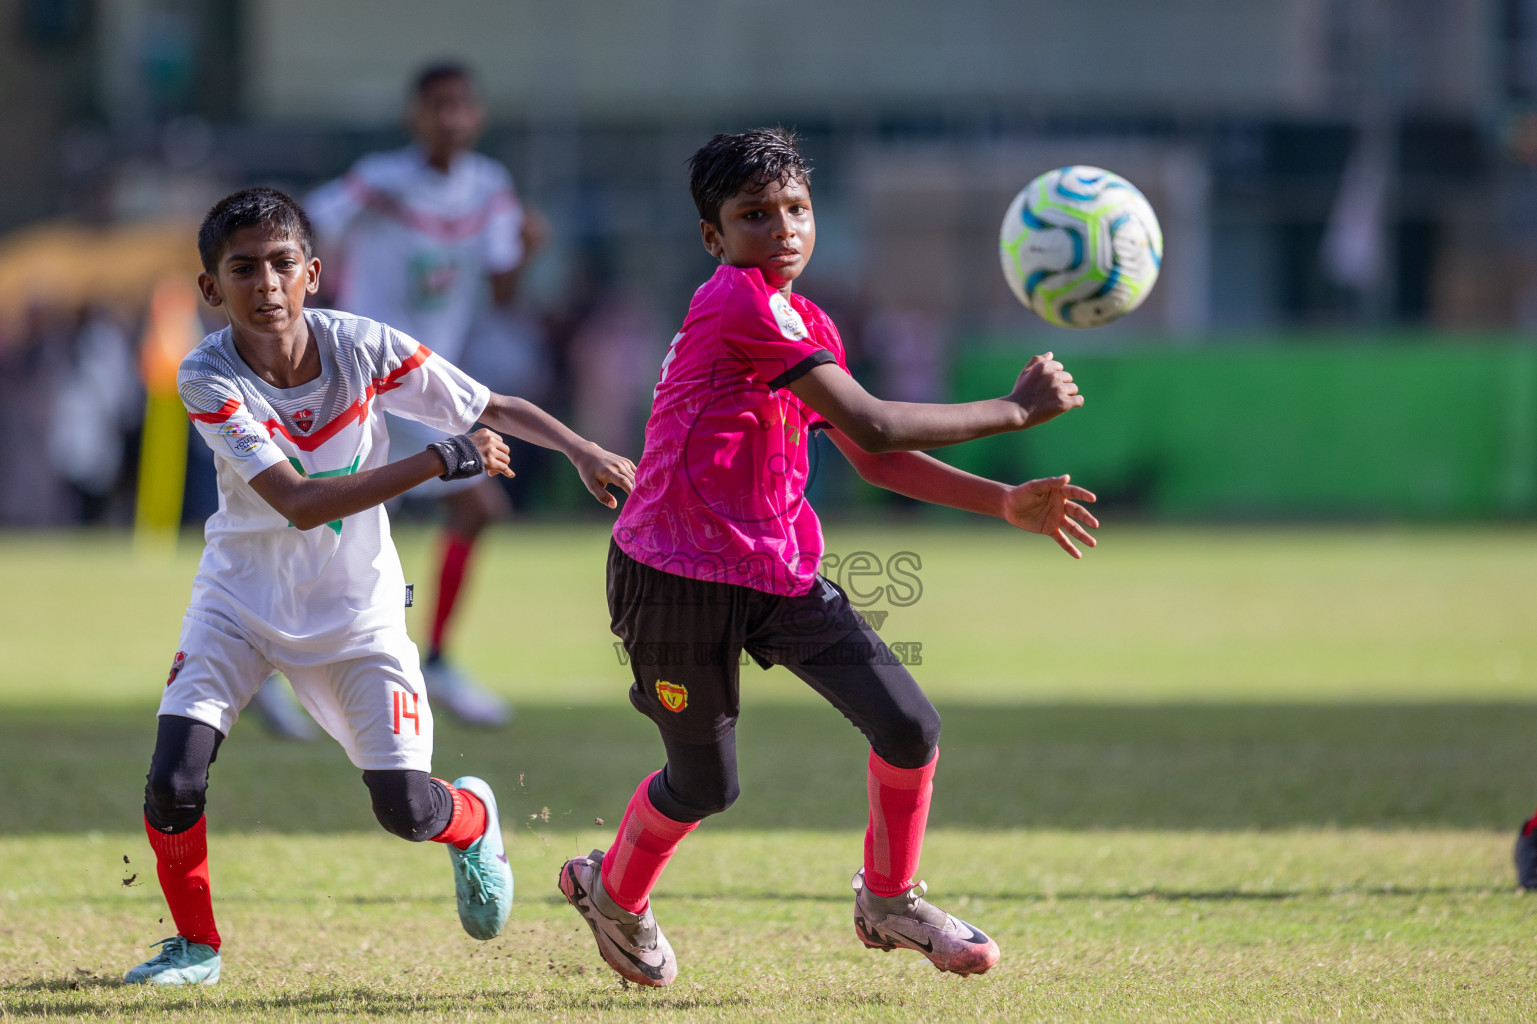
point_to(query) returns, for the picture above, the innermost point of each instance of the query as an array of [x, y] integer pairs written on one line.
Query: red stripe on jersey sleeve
[[228, 409], [391, 380]]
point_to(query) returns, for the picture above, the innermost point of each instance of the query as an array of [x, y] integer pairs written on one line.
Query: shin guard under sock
[[181, 862], [899, 813], [646, 841]]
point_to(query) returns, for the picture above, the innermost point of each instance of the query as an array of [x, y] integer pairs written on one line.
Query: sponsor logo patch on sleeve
[[241, 441], [790, 323]]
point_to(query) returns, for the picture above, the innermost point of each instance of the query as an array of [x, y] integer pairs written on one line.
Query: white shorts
[[407, 437], [374, 704]]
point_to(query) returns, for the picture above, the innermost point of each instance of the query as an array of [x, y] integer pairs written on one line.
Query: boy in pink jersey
[[717, 551]]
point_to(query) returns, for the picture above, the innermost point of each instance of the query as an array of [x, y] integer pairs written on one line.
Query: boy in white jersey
[[423, 234], [299, 573]]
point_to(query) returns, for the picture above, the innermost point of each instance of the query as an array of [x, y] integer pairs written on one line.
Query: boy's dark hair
[[252, 207], [751, 161], [440, 71]]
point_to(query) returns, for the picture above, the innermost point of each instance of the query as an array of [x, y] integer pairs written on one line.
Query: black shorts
[[685, 637]]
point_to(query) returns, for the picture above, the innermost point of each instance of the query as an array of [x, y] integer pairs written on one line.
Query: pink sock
[[646, 841], [899, 812]]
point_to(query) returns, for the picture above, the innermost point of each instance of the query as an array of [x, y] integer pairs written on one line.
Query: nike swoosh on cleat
[[976, 936], [502, 857], [870, 936]]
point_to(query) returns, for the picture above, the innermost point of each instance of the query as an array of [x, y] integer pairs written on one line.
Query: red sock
[[468, 822], [646, 841], [1530, 826], [899, 812], [456, 554], [181, 861]]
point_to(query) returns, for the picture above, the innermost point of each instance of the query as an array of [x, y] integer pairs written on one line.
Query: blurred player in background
[[1526, 854], [423, 237]]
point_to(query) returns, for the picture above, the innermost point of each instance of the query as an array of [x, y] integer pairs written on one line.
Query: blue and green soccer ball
[[1080, 247]]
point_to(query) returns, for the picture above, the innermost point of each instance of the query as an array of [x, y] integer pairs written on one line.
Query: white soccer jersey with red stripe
[[336, 588], [416, 244]]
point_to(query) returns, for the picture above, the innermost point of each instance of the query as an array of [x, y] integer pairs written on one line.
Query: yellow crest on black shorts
[[674, 696]]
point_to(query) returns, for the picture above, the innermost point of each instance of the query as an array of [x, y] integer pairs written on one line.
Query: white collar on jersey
[[420, 156]]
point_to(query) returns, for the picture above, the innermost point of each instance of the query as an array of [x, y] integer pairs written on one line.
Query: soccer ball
[[1080, 247]]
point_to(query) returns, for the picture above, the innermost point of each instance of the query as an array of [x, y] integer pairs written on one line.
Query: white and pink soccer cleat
[[909, 921], [631, 944]]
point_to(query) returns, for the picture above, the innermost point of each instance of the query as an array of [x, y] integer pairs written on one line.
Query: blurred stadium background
[[1348, 189]]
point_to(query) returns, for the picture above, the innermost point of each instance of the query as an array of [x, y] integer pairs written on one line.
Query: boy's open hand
[[1050, 506], [493, 451], [1044, 390], [599, 468]]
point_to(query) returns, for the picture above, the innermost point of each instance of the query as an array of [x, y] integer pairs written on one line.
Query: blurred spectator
[[31, 490], [96, 403]]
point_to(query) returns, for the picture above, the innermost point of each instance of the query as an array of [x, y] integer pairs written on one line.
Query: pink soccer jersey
[[720, 491]]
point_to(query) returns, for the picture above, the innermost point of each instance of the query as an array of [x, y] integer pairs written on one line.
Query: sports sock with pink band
[[899, 813], [646, 841]]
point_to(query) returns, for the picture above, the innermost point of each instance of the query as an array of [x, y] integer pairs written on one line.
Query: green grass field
[[1206, 774]]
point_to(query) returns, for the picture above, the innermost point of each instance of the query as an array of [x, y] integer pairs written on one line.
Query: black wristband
[[461, 457]]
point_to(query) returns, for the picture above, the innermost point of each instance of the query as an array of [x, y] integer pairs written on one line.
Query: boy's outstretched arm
[[308, 502], [1048, 506], [1043, 391], [527, 422]]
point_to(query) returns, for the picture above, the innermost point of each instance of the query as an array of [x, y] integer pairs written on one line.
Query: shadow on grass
[[1092, 896], [373, 1003], [1074, 766], [781, 896]]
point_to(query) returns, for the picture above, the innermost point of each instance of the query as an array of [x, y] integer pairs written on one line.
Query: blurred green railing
[[1413, 428]]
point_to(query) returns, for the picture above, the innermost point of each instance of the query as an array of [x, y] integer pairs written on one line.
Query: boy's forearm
[[911, 426], [878, 426], [524, 420], [925, 478], [309, 502]]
